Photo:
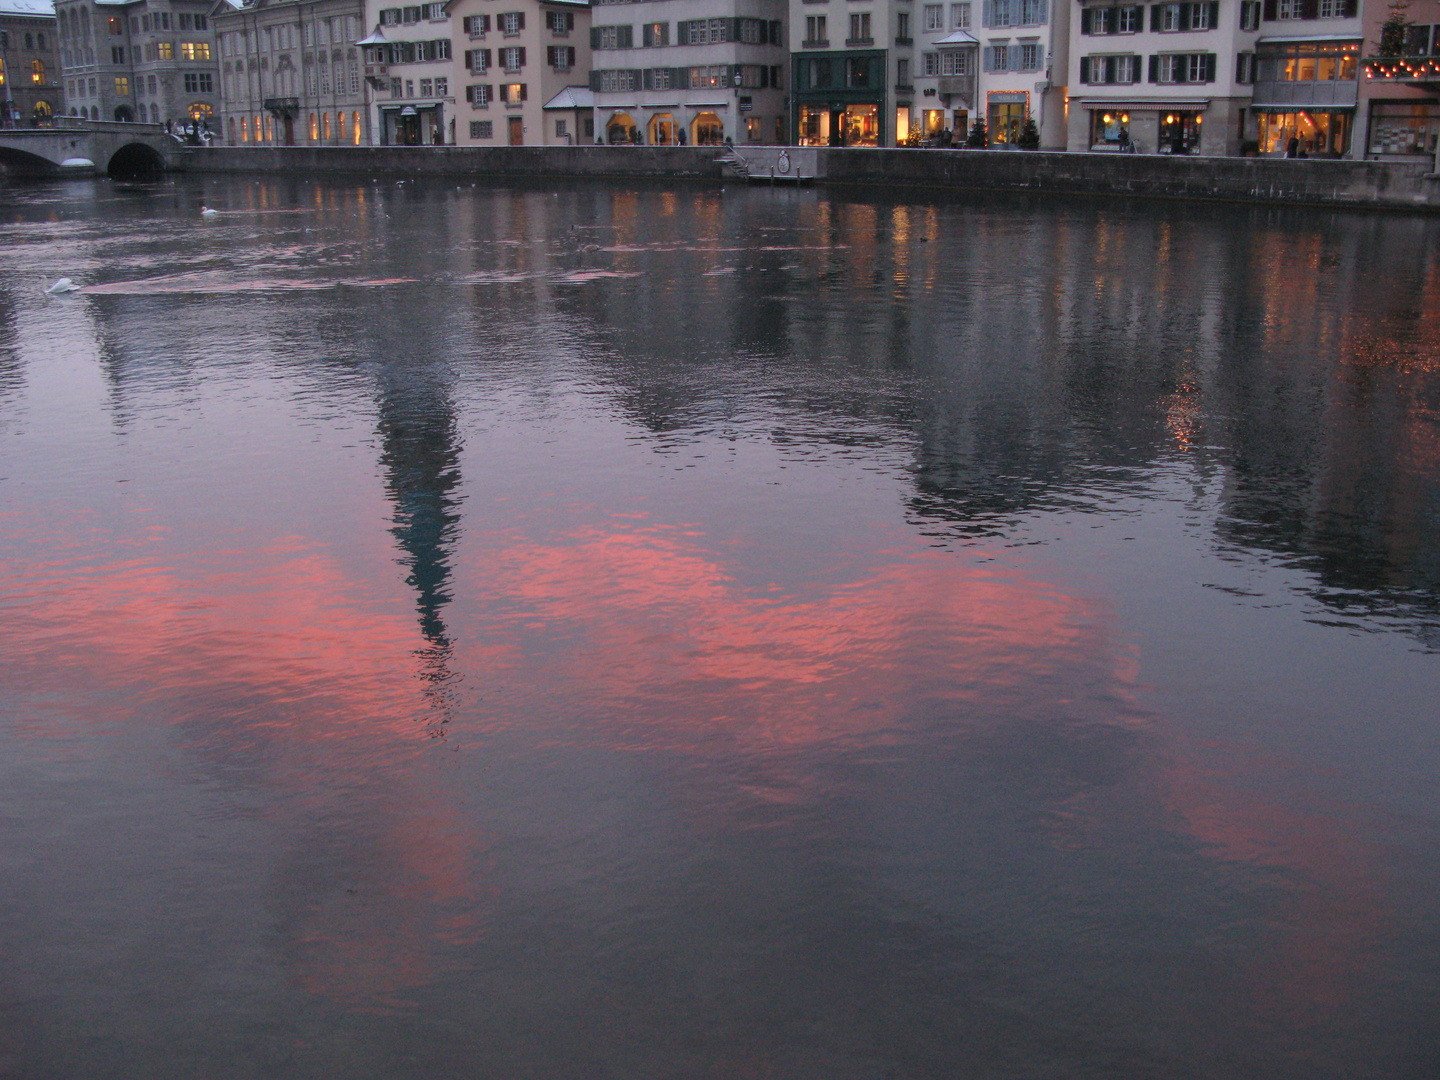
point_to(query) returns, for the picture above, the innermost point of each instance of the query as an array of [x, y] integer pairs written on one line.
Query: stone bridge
[[112, 148]]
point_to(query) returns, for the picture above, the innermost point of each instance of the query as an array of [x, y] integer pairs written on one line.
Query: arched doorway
[[42, 114], [124, 114], [620, 129], [707, 130], [663, 131]]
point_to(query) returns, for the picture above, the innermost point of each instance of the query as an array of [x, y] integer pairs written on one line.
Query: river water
[[596, 631]]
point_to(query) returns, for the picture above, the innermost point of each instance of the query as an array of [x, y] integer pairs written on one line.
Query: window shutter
[[1352, 8], [1214, 14], [1309, 9], [777, 31], [1084, 68], [1154, 72], [1085, 16], [1155, 17], [1014, 58], [569, 20], [595, 37], [524, 91], [987, 18], [469, 63], [625, 37], [1042, 8], [1210, 68], [595, 81], [550, 55], [1270, 13], [521, 54], [987, 57]]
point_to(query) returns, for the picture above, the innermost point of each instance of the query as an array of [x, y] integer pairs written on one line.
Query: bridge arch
[[135, 159], [21, 163]]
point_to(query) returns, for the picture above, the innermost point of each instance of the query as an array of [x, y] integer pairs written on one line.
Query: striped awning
[[1159, 105]]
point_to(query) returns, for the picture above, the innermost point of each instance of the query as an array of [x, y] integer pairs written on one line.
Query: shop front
[[1005, 112], [409, 125], [1304, 133], [1404, 129], [839, 99], [1147, 127]]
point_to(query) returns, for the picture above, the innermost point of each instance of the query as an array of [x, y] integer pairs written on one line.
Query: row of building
[[1334, 78]]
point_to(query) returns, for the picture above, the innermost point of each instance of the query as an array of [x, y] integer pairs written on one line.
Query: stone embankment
[[1315, 182]]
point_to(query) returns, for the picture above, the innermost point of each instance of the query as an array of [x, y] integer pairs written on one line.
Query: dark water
[[643, 633]]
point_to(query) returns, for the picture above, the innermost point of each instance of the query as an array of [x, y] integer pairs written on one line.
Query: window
[[397, 88], [482, 129], [513, 93], [390, 17], [655, 34], [999, 12], [1200, 16], [857, 72], [955, 62], [435, 12], [1170, 16], [477, 26], [116, 27], [929, 63], [512, 22], [426, 87], [902, 26], [997, 58], [606, 37], [184, 18], [37, 72], [1183, 68], [165, 50], [201, 22], [1097, 21], [1288, 9], [618, 81], [477, 61], [658, 79], [201, 82], [560, 22], [442, 87], [1105, 70], [1331, 9], [817, 73], [560, 57], [561, 129], [1128, 20], [703, 32], [512, 59], [860, 26], [1032, 12], [902, 72], [1245, 67], [122, 86], [117, 54], [1029, 56], [194, 50], [960, 16], [478, 96], [934, 15], [815, 31]]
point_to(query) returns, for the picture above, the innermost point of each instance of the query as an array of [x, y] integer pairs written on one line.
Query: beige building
[[290, 72], [139, 60], [475, 72], [29, 65]]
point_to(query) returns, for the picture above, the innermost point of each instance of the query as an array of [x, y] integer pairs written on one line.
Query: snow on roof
[[959, 37], [572, 97], [36, 9]]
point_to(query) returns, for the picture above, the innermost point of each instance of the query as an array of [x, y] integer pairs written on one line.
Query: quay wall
[[1358, 184]]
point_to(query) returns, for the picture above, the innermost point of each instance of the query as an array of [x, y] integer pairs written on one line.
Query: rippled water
[[595, 632]]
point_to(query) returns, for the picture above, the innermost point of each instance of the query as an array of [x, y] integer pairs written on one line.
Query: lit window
[[122, 86]]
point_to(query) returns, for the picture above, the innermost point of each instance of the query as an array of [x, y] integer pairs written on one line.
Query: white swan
[[64, 285], [208, 211]]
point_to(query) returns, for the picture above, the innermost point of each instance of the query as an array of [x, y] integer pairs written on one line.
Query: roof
[[36, 9], [959, 37], [572, 97]]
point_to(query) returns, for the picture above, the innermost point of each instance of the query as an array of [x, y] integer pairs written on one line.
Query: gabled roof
[[572, 97], [959, 37]]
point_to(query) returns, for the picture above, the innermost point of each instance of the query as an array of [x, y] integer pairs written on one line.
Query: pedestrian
[[1126, 146], [1292, 148]]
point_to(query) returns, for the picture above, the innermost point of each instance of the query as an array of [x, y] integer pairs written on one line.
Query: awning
[[1120, 105]]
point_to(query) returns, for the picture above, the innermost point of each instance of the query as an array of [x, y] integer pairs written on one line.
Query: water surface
[[592, 631]]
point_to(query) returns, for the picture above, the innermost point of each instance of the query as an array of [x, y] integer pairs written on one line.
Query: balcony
[[964, 85]]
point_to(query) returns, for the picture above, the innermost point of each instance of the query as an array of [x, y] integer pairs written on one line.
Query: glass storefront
[[1408, 128], [1007, 119], [1180, 132], [814, 126], [1106, 126], [1309, 61], [1316, 134], [862, 125]]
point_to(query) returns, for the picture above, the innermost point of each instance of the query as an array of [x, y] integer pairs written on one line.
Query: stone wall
[[1365, 184]]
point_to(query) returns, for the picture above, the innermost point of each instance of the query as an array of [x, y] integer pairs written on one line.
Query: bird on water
[[64, 285]]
